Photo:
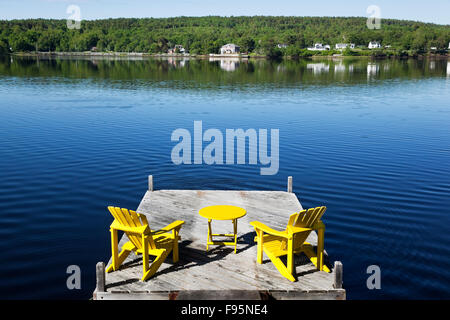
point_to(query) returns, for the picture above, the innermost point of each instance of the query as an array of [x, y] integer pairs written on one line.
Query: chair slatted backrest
[[129, 218], [307, 218], [304, 219]]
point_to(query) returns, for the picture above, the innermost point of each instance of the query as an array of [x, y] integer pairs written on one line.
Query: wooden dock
[[218, 273]]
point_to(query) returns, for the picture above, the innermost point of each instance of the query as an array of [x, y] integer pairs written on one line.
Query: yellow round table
[[222, 213]]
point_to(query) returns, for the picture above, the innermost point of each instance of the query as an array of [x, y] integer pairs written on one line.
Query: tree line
[[204, 35]]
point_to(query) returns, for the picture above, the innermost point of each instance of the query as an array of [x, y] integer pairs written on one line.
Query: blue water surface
[[373, 148]]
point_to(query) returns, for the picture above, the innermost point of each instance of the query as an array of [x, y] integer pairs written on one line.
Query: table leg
[[210, 236], [235, 234], [209, 239]]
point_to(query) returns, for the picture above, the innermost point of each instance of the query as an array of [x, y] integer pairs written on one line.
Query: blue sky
[[436, 11]]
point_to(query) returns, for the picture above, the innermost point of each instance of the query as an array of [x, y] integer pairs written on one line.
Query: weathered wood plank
[[100, 276], [308, 295], [219, 295], [338, 274], [150, 183]]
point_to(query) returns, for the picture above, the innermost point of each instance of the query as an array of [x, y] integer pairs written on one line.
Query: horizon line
[[231, 16]]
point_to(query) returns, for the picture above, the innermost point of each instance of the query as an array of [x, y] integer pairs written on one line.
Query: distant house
[[374, 45], [319, 47], [282, 46], [177, 49], [449, 45], [388, 47], [342, 46], [433, 48], [230, 48], [94, 49]]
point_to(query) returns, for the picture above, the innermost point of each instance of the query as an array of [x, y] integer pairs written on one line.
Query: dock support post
[[289, 186], [338, 274], [100, 275], [150, 183]]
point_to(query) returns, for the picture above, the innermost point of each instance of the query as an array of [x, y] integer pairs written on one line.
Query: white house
[[320, 47], [282, 45], [449, 45], [374, 45], [342, 46], [230, 49], [178, 48]]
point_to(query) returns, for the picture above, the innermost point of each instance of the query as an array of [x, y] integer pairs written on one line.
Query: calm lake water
[[368, 139]]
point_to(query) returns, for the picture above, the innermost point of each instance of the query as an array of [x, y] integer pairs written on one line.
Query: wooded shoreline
[[257, 36], [207, 56]]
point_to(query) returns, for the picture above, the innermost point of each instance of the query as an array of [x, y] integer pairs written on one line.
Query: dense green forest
[[203, 35]]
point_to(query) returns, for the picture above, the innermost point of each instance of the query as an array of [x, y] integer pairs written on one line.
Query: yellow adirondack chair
[[292, 240], [143, 240]]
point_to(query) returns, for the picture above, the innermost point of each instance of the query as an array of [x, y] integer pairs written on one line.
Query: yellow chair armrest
[[261, 226], [174, 225], [137, 230], [295, 230]]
